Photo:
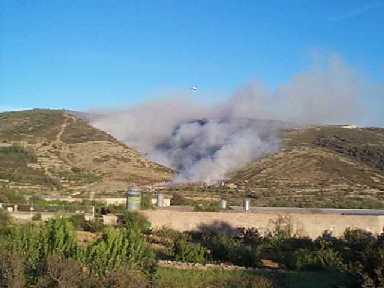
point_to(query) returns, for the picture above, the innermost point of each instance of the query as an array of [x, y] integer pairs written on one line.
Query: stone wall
[[311, 224]]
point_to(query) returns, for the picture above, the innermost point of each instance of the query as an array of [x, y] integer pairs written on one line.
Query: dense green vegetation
[[49, 254], [356, 259]]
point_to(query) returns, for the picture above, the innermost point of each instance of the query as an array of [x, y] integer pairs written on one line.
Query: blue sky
[[91, 53]]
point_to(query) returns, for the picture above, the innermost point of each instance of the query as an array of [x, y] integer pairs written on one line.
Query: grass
[[15, 155], [318, 279], [44, 124], [80, 176], [14, 167], [366, 145], [328, 167], [30, 125], [47, 132], [175, 278], [79, 132], [11, 196]]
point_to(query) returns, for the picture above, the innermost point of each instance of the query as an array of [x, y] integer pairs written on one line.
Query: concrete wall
[[27, 216], [109, 219], [112, 200], [311, 225]]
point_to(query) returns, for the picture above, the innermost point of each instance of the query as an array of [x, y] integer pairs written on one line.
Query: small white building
[[110, 219]]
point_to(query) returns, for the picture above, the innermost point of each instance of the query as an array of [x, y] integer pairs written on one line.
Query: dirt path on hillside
[[57, 144], [64, 125]]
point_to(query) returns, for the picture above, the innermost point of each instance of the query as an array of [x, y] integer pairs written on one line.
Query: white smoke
[[205, 143]]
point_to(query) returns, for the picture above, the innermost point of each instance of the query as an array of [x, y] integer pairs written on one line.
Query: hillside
[[51, 151], [327, 166]]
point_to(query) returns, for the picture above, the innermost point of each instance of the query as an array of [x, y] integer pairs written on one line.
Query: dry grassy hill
[[326, 166], [51, 151]]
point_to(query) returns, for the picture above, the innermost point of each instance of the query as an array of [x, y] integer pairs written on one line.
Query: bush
[[251, 236], [79, 223], [222, 247], [62, 272], [283, 228], [167, 236], [146, 201], [11, 270], [135, 220], [206, 207], [189, 252], [36, 217], [325, 259], [364, 255], [125, 278], [283, 250], [117, 248], [5, 219], [60, 237], [228, 248], [179, 200]]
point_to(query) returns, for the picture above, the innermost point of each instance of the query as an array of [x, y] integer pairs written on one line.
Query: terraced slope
[[54, 151], [319, 167]]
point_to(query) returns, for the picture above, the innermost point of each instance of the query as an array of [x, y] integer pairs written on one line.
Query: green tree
[[60, 237]]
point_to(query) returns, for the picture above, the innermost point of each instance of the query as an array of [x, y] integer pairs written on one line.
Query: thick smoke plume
[[205, 143]]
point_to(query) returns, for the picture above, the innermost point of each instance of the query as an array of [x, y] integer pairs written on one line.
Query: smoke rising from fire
[[205, 143]]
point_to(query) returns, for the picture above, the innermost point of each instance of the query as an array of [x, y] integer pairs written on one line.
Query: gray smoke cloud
[[206, 142]]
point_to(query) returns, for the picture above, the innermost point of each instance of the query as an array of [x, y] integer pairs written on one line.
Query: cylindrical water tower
[[223, 204], [133, 199], [246, 204], [159, 200]]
